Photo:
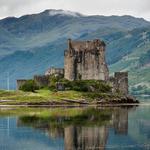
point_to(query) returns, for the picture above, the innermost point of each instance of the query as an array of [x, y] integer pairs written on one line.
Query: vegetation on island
[[48, 97], [77, 85], [29, 86], [74, 93]]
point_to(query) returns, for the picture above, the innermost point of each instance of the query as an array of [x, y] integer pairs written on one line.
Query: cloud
[[138, 8]]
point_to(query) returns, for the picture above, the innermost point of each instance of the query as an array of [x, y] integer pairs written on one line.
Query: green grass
[[45, 95]]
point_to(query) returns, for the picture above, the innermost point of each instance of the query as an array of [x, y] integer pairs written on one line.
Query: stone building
[[85, 60], [55, 71], [121, 79], [41, 80], [119, 82], [21, 82]]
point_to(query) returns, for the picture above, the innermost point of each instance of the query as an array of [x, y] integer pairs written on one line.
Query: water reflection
[[120, 121], [85, 137], [86, 130]]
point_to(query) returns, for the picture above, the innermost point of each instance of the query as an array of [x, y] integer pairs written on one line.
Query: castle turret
[[69, 62]]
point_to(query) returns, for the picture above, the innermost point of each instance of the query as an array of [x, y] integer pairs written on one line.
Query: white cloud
[[138, 8]]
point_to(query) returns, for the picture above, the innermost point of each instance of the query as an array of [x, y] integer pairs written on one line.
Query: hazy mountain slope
[[137, 63], [32, 43], [39, 29]]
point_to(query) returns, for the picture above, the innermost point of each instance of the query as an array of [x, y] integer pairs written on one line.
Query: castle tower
[[85, 60], [121, 82]]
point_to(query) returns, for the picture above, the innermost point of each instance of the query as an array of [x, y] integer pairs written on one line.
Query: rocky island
[[84, 80]]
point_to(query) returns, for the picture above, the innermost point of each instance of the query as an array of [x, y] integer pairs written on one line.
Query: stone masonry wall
[[86, 60], [119, 82], [121, 79], [41, 80], [20, 82]]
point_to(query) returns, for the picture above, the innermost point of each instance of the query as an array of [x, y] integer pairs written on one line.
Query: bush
[[29, 86], [80, 85], [53, 79], [84, 85]]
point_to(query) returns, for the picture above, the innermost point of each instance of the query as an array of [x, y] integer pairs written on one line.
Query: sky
[[17, 8]]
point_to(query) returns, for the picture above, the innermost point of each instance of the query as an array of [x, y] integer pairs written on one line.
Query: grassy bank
[[45, 95]]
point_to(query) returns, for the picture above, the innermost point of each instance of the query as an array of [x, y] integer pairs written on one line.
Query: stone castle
[[85, 60]]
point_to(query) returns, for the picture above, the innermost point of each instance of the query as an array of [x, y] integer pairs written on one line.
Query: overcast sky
[[137, 8]]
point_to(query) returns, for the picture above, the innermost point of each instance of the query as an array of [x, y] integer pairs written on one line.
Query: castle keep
[[85, 60]]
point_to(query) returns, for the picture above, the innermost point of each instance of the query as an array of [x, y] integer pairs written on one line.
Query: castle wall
[[69, 66], [20, 82], [42, 80], [91, 66], [121, 82], [86, 60]]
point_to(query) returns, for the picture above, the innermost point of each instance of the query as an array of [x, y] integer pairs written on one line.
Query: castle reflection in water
[[95, 137], [89, 136]]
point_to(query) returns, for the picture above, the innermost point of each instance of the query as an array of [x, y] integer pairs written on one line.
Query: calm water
[[76, 129]]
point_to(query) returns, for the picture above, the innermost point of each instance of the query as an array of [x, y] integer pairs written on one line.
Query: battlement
[[86, 45]]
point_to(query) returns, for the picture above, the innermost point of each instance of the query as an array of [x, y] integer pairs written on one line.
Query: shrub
[[80, 85], [84, 85], [53, 79], [29, 86]]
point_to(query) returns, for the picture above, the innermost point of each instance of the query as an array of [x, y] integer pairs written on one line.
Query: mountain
[[32, 43]]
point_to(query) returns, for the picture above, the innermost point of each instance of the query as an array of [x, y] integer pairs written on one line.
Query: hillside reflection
[[86, 130]]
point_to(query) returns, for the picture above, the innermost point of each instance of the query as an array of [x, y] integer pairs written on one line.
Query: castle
[[85, 60]]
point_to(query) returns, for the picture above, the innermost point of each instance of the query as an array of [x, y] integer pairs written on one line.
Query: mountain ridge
[[82, 15]]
